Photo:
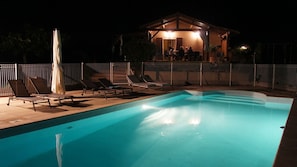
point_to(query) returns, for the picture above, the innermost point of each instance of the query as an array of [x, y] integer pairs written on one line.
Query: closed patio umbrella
[[58, 85]]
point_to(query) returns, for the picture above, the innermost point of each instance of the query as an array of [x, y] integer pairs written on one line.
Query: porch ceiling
[[182, 22]]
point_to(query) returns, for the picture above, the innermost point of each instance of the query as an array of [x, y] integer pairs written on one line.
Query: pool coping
[[287, 151], [23, 128]]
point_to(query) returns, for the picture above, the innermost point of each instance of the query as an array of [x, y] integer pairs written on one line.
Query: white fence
[[274, 76]]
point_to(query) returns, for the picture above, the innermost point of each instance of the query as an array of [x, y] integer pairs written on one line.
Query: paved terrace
[[18, 113]]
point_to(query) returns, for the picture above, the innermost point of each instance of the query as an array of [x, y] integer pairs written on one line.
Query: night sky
[[256, 21]]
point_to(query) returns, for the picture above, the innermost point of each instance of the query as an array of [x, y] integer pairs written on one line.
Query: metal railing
[[274, 76]]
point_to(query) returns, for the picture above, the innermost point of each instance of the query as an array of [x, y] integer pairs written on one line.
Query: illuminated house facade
[[178, 32]]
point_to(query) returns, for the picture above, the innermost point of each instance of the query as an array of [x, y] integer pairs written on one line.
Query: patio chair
[[107, 84], [148, 79], [41, 89], [93, 86], [21, 92], [133, 80], [89, 85]]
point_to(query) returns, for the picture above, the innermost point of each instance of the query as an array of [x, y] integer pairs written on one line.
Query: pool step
[[234, 99]]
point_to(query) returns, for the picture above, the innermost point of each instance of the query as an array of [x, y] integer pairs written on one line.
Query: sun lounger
[[41, 89], [107, 84], [21, 92], [136, 82], [89, 85], [148, 79], [93, 86]]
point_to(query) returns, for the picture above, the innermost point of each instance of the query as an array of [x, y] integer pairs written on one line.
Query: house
[[175, 35]]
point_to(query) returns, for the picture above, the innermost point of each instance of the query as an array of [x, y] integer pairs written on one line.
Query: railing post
[[255, 74], [82, 70], [111, 66], [273, 75], [128, 68], [16, 71]]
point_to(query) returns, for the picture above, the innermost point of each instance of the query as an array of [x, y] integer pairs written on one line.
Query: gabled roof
[[182, 22]]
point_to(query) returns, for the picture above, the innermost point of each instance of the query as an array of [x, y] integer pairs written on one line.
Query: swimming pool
[[186, 128]]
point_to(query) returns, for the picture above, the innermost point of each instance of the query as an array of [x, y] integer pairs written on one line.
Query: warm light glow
[[243, 47], [169, 35], [196, 34]]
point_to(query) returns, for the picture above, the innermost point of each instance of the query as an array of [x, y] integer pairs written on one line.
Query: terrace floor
[[19, 113]]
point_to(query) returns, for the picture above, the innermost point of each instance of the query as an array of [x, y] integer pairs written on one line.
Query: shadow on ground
[[134, 95], [56, 107]]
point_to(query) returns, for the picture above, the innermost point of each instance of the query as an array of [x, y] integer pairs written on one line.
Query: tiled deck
[[18, 113]]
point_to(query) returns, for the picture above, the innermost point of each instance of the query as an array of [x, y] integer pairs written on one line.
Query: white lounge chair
[[148, 79], [136, 82]]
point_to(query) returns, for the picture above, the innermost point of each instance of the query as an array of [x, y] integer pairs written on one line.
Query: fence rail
[[274, 76]]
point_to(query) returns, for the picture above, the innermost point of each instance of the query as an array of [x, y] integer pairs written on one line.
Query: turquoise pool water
[[186, 128]]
